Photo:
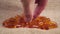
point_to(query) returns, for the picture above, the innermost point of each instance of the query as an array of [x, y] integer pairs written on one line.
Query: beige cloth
[[10, 8]]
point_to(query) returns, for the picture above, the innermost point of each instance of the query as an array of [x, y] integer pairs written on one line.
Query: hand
[[27, 12]]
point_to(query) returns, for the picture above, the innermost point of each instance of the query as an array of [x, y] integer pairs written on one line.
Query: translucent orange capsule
[[40, 22]]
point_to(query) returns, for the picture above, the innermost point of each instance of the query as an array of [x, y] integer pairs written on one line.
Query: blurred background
[[11, 8]]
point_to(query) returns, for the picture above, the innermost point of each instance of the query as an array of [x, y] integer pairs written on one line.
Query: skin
[[39, 8], [27, 12]]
